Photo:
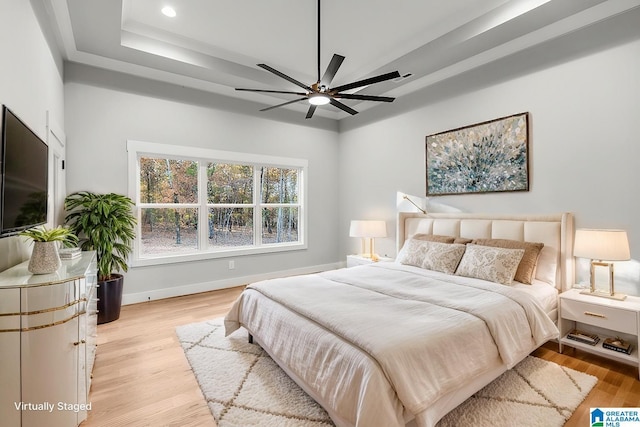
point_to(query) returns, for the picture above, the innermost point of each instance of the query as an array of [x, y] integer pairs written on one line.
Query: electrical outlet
[[232, 265]]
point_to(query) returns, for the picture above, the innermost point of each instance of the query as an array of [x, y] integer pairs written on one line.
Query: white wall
[[30, 85], [584, 150], [100, 119]]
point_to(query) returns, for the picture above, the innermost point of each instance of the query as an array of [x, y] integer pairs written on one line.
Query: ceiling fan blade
[[343, 107], [365, 97], [312, 109], [332, 69], [284, 103], [284, 76], [365, 82], [272, 91]]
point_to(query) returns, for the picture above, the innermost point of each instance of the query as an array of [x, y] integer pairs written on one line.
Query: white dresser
[[47, 343]]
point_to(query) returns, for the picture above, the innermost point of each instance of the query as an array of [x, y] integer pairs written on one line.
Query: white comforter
[[426, 333]]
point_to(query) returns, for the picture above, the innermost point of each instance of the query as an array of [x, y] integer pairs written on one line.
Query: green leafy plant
[[59, 234], [105, 223]]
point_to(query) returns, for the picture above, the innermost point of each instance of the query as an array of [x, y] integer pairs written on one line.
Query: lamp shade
[[362, 228], [607, 245]]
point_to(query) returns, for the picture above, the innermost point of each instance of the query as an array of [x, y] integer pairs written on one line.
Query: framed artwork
[[486, 157]]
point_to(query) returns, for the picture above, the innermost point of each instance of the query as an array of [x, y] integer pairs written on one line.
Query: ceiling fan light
[[169, 11], [318, 99]]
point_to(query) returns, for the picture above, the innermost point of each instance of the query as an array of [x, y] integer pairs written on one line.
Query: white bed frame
[[555, 231]]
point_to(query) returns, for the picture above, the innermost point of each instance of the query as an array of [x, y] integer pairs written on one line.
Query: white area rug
[[244, 387]]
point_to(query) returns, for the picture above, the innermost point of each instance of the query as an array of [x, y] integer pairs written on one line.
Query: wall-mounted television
[[24, 162]]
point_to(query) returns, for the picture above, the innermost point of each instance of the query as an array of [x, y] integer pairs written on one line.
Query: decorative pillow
[[527, 265], [462, 240], [494, 264], [443, 257], [434, 238], [412, 252]]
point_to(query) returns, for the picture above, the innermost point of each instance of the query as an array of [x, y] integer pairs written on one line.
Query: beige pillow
[[527, 265], [412, 253], [462, 240], [443, 257], [434, 238], [494, 264]]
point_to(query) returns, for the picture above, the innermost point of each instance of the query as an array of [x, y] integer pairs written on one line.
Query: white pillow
[[547, 265], [443, 257], [494, 264]]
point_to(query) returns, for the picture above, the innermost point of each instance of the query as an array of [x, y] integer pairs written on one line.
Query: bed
[[396, 343]]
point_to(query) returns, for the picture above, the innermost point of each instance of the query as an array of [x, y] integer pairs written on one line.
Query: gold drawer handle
[[602, 316]]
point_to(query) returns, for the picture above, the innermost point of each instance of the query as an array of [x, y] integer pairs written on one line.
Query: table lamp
[[368, 229], [602, 247]]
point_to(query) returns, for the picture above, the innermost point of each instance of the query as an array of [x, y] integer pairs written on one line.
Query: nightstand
[[605, 317], [353, 260]]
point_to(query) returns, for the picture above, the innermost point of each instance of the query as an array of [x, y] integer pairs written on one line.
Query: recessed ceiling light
[[169, 11]]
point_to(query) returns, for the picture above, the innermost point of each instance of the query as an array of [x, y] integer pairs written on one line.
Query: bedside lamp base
[[611, 293], [603, 294]]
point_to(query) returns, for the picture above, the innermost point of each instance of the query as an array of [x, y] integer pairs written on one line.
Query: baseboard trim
[[194, 288]]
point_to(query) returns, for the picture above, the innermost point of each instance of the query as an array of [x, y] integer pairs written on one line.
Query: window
[[194, 203]]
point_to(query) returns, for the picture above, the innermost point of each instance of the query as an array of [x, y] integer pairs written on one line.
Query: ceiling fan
[[319, 93]]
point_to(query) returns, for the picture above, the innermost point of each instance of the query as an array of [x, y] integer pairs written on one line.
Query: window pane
[[230, 227], [168, 181], [169, 231], [279, 185], [279, 225], [229, 183]]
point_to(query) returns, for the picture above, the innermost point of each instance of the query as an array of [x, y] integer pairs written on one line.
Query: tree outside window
[[198, 206], [169, 190]]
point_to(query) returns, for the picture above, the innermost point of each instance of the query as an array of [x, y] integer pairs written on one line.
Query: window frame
[[138, 149]]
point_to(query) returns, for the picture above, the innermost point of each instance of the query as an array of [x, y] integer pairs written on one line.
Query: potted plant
[[44, 257], [104, 223]]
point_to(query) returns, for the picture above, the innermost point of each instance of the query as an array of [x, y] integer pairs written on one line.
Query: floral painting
[[485, 157]]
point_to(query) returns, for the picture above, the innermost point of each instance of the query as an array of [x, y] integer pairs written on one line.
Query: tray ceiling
[[214, 46]]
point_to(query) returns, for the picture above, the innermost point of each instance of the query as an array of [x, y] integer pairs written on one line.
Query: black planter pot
[[110, 299]]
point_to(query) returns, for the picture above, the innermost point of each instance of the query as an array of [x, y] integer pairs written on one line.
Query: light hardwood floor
[[141, 377]]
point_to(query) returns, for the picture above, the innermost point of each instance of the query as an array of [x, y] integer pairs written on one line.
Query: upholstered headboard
[[555, 231]]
